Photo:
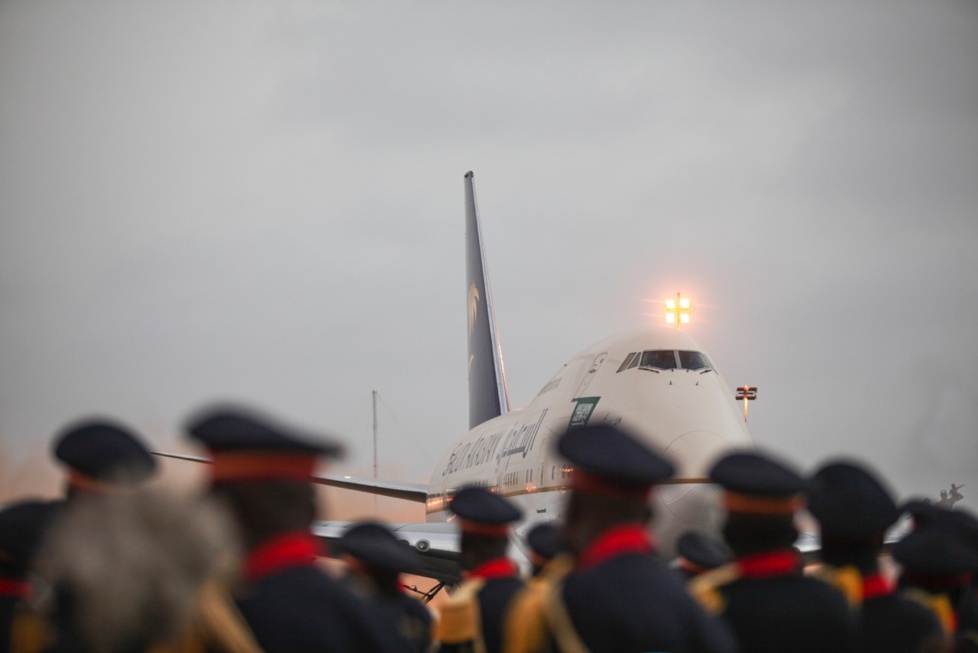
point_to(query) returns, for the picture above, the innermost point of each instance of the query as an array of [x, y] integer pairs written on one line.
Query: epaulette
[[526, 628], [705, 588], [846, 579], [459, 616]]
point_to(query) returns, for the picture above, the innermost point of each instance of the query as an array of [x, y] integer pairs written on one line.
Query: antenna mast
[[375, 433]]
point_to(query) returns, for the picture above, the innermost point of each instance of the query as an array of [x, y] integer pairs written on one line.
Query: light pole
[[747, 393], [677, 310]]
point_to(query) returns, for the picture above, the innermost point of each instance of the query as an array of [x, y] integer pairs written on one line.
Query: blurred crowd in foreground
[[117, 567]]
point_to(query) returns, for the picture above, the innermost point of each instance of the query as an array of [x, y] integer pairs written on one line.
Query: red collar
[[630, 538], [17, 589], [770, 563], [496, 568], [875, 586], [295, 549]]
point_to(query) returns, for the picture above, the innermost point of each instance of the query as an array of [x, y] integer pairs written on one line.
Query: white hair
[[126, 569]]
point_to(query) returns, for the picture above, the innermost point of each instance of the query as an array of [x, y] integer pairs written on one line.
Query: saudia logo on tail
[[473, 306], [473, 311]]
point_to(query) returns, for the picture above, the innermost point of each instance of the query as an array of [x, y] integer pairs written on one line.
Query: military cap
[[850, 502], [701, 551], [376, 546], [100, 451], [608, 460], [544, 540], [22, 529], [921, 510], [757, 483], [484, 512], [965, 525], [935, 551], [247, 446]]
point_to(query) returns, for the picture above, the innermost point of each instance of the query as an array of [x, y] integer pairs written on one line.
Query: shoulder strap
[[846, 579], [705, 588], [560, 622], [939, 604], [459, 618], [222, 623], [527, 628], [29, 632]]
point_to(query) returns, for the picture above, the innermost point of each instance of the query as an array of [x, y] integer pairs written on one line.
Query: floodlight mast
[[678, 310], [747, 393]]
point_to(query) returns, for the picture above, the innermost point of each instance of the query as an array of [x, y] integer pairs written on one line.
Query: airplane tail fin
[[488, 394]]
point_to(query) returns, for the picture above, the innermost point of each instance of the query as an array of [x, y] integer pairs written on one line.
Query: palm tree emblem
[[473, 306]]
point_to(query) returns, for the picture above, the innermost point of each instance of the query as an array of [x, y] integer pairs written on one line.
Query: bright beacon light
[[677, 310]]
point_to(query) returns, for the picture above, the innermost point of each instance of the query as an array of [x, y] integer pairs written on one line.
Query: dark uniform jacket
[[492, 586], [954, 604], [291, 605], [966, 615], [619, 598], [411, 619], [891, 622], [771, 607]]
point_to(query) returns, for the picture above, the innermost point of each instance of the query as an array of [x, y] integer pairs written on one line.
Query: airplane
[[657, 382]]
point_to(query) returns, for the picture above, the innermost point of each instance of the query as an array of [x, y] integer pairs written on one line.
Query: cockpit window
[[660, 359], [693, 360], [628, 359]]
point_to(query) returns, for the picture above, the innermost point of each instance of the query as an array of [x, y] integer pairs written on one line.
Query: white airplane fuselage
[[684, 410]]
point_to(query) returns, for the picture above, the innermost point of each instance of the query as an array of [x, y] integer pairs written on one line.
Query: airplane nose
[[683, 507], [694, 451], [694, 505]]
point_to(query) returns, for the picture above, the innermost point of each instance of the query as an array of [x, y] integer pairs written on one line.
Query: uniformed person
[[261, 470], [611, 592], [102, 456], [763, 595], [543, 541], [939, 559], [967, 609], [22, 527], [854, 510], [376, 560], [126, 573], [698, 553], [472, 619]]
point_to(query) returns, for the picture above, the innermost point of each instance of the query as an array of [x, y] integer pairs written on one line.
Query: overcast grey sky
[[263, 201]]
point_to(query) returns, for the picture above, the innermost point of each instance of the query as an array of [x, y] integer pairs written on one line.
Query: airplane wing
[[436, 545], [417, 492]]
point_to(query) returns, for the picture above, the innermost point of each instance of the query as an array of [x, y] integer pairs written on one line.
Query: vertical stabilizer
[[488, 394]]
